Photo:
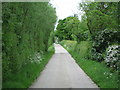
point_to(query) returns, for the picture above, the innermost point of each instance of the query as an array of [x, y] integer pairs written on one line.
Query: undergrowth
[[103, 76], [27, 75]]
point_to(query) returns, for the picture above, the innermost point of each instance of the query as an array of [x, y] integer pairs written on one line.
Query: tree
[[71, 29], [102, 21], [25, 27]]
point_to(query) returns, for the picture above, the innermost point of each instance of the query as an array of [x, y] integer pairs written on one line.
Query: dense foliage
[[71, 28], [112, 56], [26, 31], [99, 25], [103, 76], [102, 21]]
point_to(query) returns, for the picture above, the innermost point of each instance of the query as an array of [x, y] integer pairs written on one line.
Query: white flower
[[112, 54]]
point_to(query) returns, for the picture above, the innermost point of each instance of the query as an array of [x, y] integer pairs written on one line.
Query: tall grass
[[102, 75], [29, 73]]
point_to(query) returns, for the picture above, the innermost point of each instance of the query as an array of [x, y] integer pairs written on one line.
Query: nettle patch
[[112, 56]]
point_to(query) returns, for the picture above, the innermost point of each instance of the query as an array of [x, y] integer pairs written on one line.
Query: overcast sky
[[66, 8]]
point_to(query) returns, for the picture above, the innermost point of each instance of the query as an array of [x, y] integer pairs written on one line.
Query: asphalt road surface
[[63, 72]]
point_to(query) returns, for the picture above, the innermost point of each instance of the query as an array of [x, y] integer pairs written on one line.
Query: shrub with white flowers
[[37, 58], [112, 56], [101, 40]]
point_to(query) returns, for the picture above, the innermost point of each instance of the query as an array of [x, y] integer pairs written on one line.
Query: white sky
[[66, 8]]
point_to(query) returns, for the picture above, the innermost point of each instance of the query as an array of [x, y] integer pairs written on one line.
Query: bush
[[98, 72], [83, 49], [51, 48], [68, 44], [27, 75], [101, 41], [112, 56], [51, 39], [26, 30]]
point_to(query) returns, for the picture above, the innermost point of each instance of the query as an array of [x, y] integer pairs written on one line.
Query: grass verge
[[102, 75], [28, 74]]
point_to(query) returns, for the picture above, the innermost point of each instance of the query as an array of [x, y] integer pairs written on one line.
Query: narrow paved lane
[[63, 72]]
